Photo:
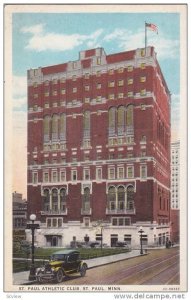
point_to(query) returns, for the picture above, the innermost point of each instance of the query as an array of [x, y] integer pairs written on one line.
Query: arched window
[[121, 120], [86, 200], [112, 198], [112, 120], [55, 127], [46, 128], [54, 199], [46, 200], [130, 115], [130, 197], [63, 127], [63, 199], [86, 124], [121, 198]]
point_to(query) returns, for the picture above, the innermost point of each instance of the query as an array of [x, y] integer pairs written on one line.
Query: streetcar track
[[158, 274], [127, 273]]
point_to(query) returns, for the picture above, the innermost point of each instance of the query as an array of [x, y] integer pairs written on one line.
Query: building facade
[[175, 190], [99, 149]]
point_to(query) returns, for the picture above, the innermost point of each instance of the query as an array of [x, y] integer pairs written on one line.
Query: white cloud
[[128, 40], [42, 41], [20, 103], [36, 29]]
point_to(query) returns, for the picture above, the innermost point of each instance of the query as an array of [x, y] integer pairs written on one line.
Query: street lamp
[[32, 226], [141, 241]]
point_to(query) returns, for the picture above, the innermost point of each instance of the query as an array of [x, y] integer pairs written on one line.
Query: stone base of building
[[76, 233]]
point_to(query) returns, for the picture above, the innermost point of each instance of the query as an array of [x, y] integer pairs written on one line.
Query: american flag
[[152, 27]]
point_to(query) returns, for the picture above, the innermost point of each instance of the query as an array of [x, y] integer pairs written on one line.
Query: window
[[121, 82], [87, 76], [98, 60], [46, 83], [111, 96], [112, 115], [87, 87], [111, 173], [130, 94], [55, 119], [86, 200], [120, 172], [98, 86], [143, 92], [98, 173], [120, 70], [74, 90], [87, 100], [120, 95], [48, 222], [130, 197], [63, 199], [142, 52], [86, 124], [46, 94], [54, 93], [46, 200], [111, 83], [45, 177], [55, 200], [111, 71], [98, 73], [74, 78], [34, 177], [62, 175], [98, 98], [46, 105], [130, 115], [55, 81], [130, 172], [86, 174], [121, 198], [63, 91], [129, 68], [130, 81], [74, 175], [111, 198], [142, 78], [143, 171], [86, 222], [54, 176], [63, 80], [35, 96], [143, 66]]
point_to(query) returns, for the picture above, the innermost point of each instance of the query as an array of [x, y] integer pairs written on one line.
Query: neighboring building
[[175, 189], [19, 211], [99, 149], [175, 175]]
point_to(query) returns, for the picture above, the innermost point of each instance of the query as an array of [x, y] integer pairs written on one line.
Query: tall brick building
[[99, 149]]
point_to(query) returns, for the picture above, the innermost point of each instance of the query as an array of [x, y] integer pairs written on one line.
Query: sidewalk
[[21, 278]]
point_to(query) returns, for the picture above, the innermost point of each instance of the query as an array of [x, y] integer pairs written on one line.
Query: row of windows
[[119, 221], [113, 83], [112, 174], [111, 96], [87, 75]]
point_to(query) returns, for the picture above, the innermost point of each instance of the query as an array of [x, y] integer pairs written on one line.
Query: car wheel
[[59, 276], [83, 270]]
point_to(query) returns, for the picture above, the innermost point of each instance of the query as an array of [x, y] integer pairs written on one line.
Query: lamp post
[[32, 226], [141, 241]]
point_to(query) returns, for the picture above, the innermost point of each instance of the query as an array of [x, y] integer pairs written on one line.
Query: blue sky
[[42, 39]]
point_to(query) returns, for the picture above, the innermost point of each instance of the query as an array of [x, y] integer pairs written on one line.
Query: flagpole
[[145, 37]]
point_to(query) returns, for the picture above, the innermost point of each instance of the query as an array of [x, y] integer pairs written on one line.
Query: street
[[159, 267]]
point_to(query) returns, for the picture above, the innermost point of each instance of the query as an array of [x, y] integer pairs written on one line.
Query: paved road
[[160, 267]]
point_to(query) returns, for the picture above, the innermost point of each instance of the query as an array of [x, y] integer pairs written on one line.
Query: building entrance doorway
[[114, 239], [53, 241]]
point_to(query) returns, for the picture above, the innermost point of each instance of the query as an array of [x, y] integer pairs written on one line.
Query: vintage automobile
[[62, 263]]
